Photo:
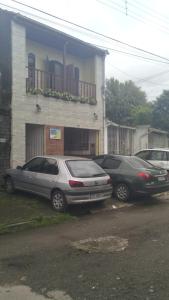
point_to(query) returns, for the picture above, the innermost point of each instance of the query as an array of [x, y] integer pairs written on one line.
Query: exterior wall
[[42, 52], [54, 147], [157, 140], [18, 94], [100, 107], [5, 91], [106, 141], [144, 139], [53, 112], [141, 138]]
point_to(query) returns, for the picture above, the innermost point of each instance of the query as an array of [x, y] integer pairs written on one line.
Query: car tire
[[122, 192], [9, 185], [58, 201]]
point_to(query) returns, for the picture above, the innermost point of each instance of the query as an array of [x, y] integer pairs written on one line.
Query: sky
[[141, 23]]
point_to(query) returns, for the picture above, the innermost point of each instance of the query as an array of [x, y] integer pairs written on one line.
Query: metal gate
[[34, 140]]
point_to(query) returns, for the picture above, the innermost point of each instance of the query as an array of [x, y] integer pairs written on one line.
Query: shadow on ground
[[146, 201]]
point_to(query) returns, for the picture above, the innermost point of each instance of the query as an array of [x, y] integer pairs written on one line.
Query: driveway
[[44, 264]]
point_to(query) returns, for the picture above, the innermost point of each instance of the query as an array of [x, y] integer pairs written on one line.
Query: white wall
[[158, 140], [141, 138]]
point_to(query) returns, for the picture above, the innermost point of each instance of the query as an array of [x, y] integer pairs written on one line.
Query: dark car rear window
[[84, 168], [138, 163]]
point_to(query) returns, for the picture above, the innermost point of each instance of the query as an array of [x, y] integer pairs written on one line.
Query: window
[[76, 139], [72, 79], [84, 168], [144, 155], [31, 70], [158, 155], [56, 75], [50, 167], [138, 163], [99, 160], [35, 165], [111, 163]]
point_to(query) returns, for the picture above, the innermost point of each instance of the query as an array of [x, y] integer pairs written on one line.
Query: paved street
[[42, 264]]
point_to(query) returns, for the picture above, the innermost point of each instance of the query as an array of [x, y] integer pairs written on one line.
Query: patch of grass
[[21, 211]]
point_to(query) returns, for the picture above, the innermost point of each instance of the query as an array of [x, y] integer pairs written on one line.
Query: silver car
[[63, 180]]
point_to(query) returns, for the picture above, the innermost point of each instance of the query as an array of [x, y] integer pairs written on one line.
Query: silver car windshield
[[84, 168]]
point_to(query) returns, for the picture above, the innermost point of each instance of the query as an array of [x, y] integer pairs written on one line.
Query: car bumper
[[154, 189], [73, 197]]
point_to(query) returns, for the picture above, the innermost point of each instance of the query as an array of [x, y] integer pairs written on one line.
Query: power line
[[155, 75], [147, 59], [151, 9], [142, 79], [155, 15], [131, 54], [91, 30], [133, 15], [101, 46], [151, 19]]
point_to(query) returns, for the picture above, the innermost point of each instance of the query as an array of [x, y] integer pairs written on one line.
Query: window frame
[[163, 153], [55, 163], [149, 154], [112, 159], [29, 162]]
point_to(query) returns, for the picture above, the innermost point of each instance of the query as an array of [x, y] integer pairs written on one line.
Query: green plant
[[63, 96], [92, 101]]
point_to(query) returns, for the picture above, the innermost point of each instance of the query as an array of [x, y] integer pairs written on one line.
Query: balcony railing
[[41, 80]]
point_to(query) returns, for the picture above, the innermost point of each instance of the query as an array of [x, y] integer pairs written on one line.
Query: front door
[[34, 141]]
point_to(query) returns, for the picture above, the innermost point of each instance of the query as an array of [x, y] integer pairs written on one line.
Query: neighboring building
[[148, 137], [119, 139], [50, 92], [125, 140]]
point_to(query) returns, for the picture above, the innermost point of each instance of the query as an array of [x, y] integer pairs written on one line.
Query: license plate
[[161, 178], [95, 196]]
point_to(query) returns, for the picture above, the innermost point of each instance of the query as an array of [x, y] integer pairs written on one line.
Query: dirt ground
[[44, 264]]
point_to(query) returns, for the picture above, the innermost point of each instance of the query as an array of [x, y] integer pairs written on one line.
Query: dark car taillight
[[75, 183], [144, 175]]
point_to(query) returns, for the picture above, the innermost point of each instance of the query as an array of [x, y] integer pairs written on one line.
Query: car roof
[[154, 149], [61, 157], [114, 156]]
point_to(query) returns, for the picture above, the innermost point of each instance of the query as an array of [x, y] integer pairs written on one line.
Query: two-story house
[[51, 99]]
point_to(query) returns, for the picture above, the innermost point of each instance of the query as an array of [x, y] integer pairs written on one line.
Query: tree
[[142, 114], [161, 111], [121, 99]]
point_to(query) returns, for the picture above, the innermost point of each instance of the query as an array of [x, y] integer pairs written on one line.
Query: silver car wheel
[[58, 201], [9, 185], [122, 192]]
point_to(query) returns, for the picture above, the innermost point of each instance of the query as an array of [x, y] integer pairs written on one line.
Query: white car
[[158, 157]]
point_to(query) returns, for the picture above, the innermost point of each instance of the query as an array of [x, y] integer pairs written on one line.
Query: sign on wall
[[55, 133]]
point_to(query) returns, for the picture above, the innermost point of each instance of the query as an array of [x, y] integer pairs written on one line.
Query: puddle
[[102, 244], [21, 292]]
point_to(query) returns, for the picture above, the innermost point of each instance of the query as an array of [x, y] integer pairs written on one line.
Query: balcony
[[41, 80]]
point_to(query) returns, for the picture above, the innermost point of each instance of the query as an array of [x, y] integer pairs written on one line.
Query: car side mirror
[[19, 168]]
